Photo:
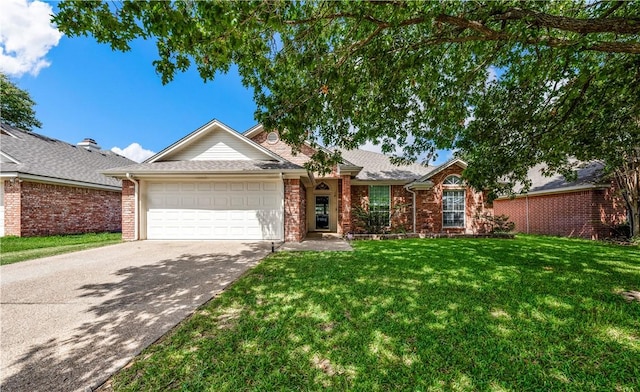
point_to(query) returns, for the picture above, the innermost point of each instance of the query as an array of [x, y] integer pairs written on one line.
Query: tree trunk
[[627, 178]]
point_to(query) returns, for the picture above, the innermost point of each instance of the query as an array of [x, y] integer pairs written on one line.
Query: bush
[[498, 224]]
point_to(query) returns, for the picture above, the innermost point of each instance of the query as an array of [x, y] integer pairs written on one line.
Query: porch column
[[128, 211], [12, 207], [346, 205], [293, 216]]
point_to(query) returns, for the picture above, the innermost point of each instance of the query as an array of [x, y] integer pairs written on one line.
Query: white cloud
[[492, 75], [26, 36], [134, 151]]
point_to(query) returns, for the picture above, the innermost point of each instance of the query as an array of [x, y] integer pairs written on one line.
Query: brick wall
[[35, 209], [401, 207], [344, 201], [284, 150], [128, 210], [587, 214], [12, 208], [429, 206], [294, 213], [359, 198]]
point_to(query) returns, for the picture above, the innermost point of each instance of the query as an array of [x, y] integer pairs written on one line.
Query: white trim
[[464, 207], [378, 182], [440, 168], [293, 173], [59, 181], [9, 157], [569, 189], [420, 186], [136, 207], [390, 198], [254, 130], [206, 128]]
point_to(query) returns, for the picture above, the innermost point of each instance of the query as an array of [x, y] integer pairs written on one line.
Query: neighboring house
[[587, 207], [52, 187], [216, 183]]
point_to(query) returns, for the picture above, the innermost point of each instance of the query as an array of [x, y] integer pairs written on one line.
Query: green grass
[[15, 249], [530, 314]]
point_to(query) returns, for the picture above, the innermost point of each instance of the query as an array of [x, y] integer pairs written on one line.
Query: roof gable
[[438, 169], [214, 141]]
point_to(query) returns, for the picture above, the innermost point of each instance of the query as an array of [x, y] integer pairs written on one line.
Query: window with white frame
[[453, 180], [379, 204], [453, 207]]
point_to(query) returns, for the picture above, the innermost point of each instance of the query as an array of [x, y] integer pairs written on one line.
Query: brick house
[[51, 187], [588, 207], [216, 183]]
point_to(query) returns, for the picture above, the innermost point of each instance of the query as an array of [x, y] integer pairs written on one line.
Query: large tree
[[16, 106], [508, 83]]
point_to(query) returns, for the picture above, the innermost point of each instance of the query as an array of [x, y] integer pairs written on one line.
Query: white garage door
[[244, 210]]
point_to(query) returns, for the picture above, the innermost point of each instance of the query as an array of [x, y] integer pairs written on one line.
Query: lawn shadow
[[421, 314], [128, 315]]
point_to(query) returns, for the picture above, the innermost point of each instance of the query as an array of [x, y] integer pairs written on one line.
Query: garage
[[214, 210]]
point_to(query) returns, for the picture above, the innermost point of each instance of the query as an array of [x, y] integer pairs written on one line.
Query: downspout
[[414, 207], [527, 212], [284, 212], [135, 209]]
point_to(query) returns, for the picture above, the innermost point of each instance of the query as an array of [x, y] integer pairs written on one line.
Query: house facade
[[50, 187], [587, 207], [216, 183]]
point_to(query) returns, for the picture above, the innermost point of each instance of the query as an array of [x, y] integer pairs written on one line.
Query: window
[[453, 180], [272, 138], [453, 208], [322, 187], [379, 204]]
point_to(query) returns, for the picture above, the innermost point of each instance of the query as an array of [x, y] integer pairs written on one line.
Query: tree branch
[[576, 25]]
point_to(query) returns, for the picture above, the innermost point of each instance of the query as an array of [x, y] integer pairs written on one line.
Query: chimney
[[89, 144]]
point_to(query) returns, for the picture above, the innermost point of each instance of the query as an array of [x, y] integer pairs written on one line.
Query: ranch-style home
[[588, 207], [216, 183], [50, 187]]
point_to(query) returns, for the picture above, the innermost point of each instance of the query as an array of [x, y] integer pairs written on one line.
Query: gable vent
[[89, 144]]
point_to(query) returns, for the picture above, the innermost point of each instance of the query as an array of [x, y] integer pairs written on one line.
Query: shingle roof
[[377, 166], [203, 167], [47, 157], [589, 173]]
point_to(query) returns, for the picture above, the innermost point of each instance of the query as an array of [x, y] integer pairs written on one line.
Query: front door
[[322, 212]]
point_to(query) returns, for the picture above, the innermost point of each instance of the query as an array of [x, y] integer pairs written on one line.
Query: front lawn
[[532, 313], [14, 249]]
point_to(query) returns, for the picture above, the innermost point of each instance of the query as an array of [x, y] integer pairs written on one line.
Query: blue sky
[[84, 89]]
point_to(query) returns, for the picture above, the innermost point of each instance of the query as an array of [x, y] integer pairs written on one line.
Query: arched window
[[453, 202], [322, 187], [453, 180]]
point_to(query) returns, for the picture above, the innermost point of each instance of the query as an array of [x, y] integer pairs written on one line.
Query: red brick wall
[[402, 218], [359, 198], [429, 206], [128, 210], [46, 209], [294, 214], [12, 208], [344, 201], [587, 214], [284, 150]]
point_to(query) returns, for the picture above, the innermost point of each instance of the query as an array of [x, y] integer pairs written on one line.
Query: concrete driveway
[[68, 322]]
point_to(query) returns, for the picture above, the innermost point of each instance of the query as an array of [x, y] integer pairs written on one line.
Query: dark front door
[[322, 212]]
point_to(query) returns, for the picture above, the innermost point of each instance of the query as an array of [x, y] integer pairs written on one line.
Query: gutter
[[58, 181], [136, 186], [414, 207]]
